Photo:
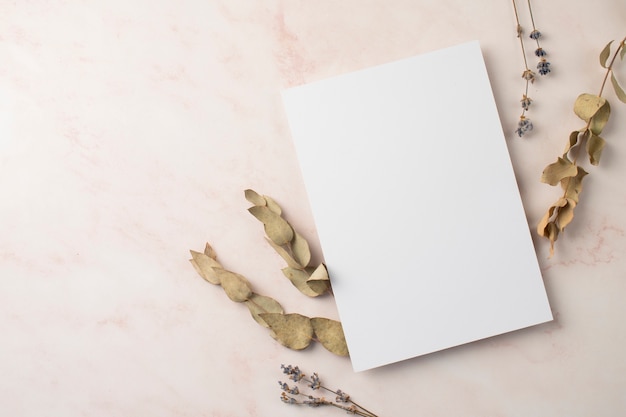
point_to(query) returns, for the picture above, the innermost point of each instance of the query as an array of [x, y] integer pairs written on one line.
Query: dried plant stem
[[609, 68], [532, 20]]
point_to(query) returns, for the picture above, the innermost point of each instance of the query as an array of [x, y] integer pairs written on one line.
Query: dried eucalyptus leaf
[[236, 286], [284, 254], [205, 265], [254, 197], [587, 105], [298, 278], [604, 55], [622, 53], [573, 186], [619, 92], [595, 145], [318, 280], [272, 205], [600, 119], [292, 330], [260, 304], [573, 141], [330, 334], [558, 170], [300, 249], [208, 251], [319, 274], [276, 227], [565, 214]]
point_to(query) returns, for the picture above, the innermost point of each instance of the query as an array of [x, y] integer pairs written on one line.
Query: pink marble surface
[[128, 132]]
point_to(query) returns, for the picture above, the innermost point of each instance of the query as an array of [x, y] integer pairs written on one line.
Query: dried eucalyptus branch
[[595, 111], [294, 331], [293, 395], [290, 245]]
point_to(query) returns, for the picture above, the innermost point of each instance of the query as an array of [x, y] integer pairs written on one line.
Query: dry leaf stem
[[595, 111]]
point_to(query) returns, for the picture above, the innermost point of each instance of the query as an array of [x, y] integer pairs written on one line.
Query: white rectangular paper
[[416, 206]]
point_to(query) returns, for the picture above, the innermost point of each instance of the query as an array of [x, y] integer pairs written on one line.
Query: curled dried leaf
[[556, 171], [276, 227], [573, 141], [599, 120], [318, 280], [619, 91], [255, 198], [595, 145], [300, 250], [205, 265], [291, 330], [573, 186], [587, 105], [260, 304], [299, 278], [604, 55], [330, 334], [236, 286]]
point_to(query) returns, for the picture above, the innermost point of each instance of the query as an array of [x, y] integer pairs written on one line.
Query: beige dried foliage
[[330, 334], [204, 264], [299, 278], [236, 286], [291, 330], [276, 227], [260, 304], [595, 110]]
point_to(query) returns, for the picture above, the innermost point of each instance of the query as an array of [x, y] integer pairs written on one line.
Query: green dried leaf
[[573, 186], [573, 141], [595, 145], [587, 105], [272, 205], [276, 227], [255, 198], [300, 249], [619, 92], [205, 265], [260, 304], [555, 172], [622, 53], [292, 330], [298, 278], [330, 334], [284, 254], [600, 119], [236, 286], [604, 55]]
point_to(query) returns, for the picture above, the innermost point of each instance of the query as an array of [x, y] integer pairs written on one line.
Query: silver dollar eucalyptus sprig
[[566, 171], [293, 395], [293, 330]]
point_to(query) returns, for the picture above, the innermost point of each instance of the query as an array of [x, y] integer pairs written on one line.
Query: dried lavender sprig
[[296, 375], [543, 67], [524, 125]]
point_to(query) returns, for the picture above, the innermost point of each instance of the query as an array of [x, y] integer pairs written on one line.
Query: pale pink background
[[128, 132]]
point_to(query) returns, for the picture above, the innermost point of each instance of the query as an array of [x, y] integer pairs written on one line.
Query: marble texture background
[[128, 132]]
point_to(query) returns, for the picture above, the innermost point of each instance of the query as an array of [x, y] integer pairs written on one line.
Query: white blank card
[[416, 205]]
